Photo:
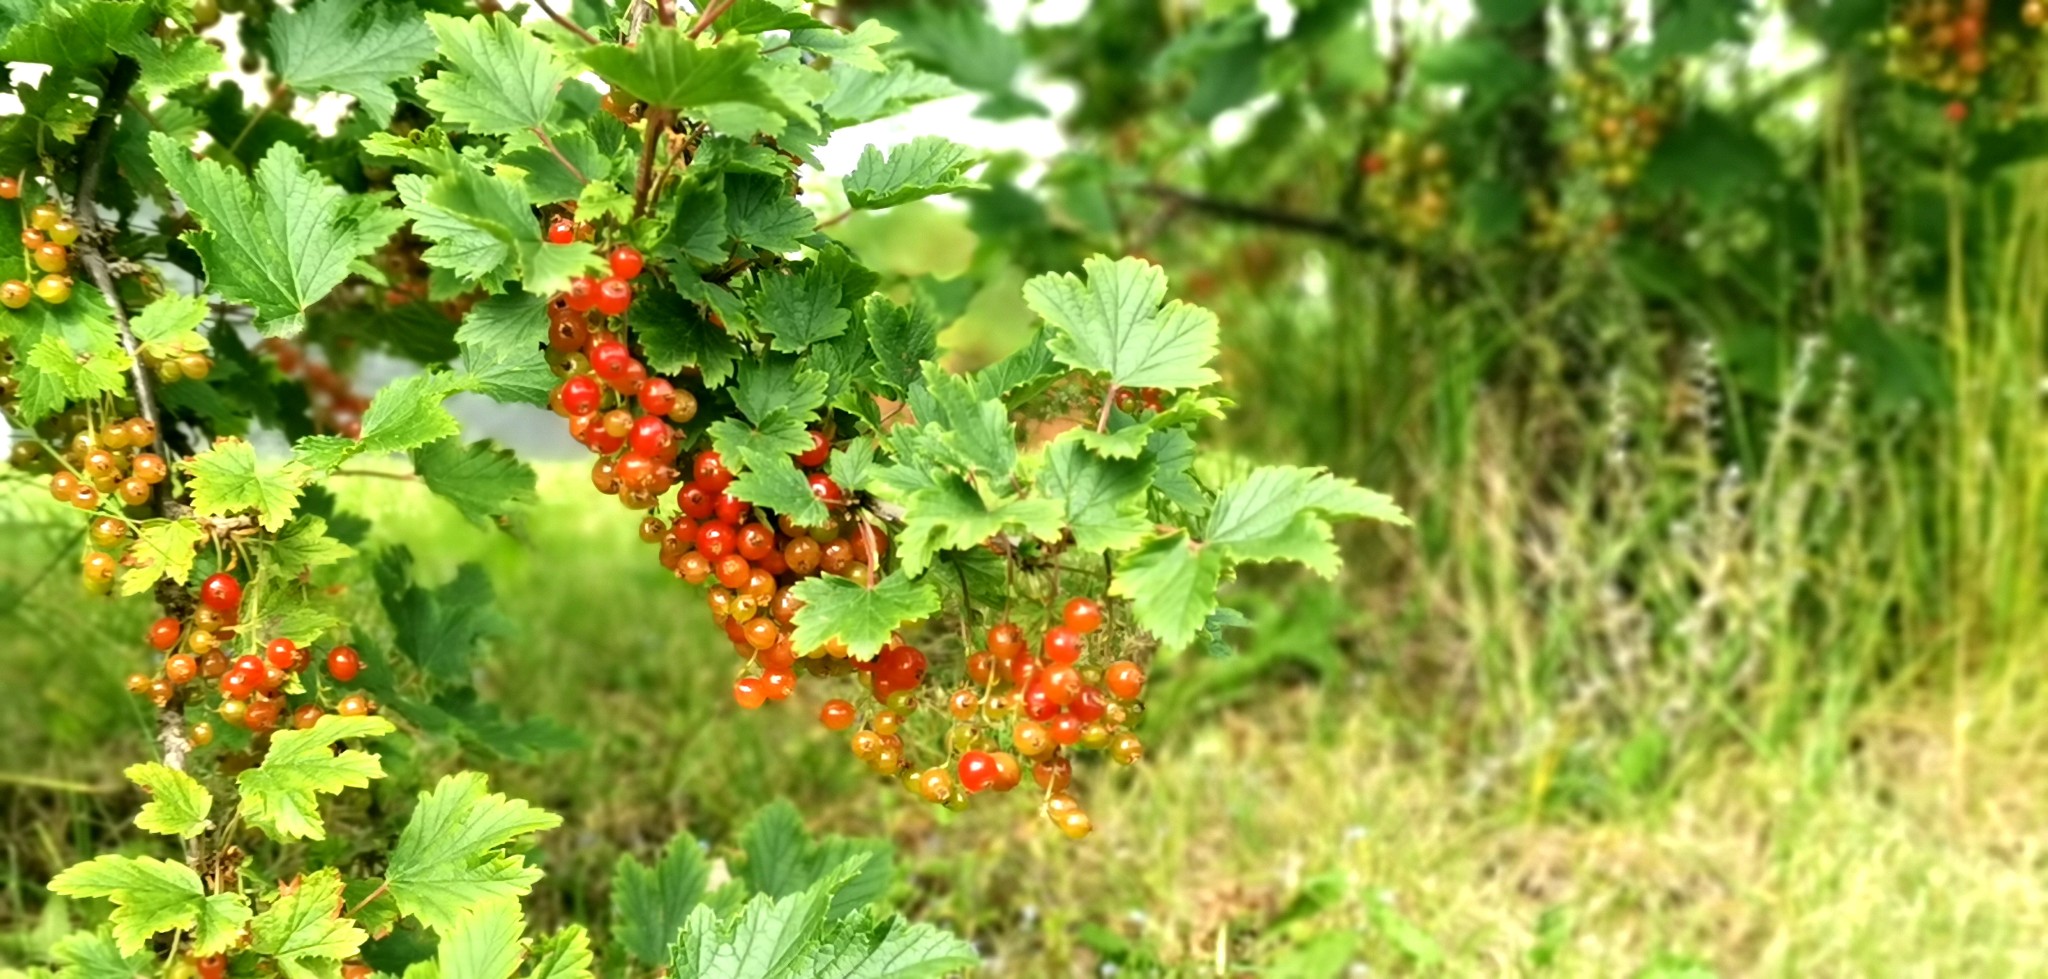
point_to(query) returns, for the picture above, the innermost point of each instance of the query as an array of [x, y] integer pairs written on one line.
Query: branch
[[567, 24], [643, 186], [1338, 231]]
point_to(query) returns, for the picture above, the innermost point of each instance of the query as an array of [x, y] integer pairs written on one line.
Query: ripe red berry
[[1062, 645], [1088, 705], [1006, 640], [780, 683], [1124, 679], [756, 541], [580, 395], [696, 502], [657, 396], [817, 454], [562, 231], [710, 471], [610, 359], [836, 715], [1063, 681], [307, 716], [651, 436], [211, 966], [221, 593], [729, 508], [282, 653], [582, 293], [1039, 704], [750, 692], [239, 685], [343, 664], [714, 539], [732, 570], [977, 771], [163, 633], [627, 262], [1082, 615], [826, 490], [613, 296]]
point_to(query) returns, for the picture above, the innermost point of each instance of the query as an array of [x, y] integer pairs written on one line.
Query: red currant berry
[[354, 705], [1082, 615], [651, 435], [221, 593], [696, 502], [750, 692], [710, 471], [1038, 702], [1024, 669], [163, 633], [307, 716], [826, 490], [1063, 681], [817, 454], [756, 541], [1088, 705], [715, 539], [1124, 679], [562, 231], [181, 668], [343, 664], [1062, 645], [211, 966], [977, 771], [609, 360], [582, 294], [1006, 640], [780, 683], [627, 261], [1065, 730], [657, 396], [732, 571], [836, 715], [238, 685], [580, 395], [613, 296], [730, 509], [282, 653]]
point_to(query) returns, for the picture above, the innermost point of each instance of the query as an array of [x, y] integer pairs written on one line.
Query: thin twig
[[365, 902], [1338, 231], [250, 126], [836, 218], [1108, 399], [92, 161], [557, 151], [643, 186], [567, 24], [712, 12], [376, 474]]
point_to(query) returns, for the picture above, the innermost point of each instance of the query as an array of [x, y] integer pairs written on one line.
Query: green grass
[[1283, 802]]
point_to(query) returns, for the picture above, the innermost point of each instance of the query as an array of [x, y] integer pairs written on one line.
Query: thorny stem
[[557, 151], [567, 24]]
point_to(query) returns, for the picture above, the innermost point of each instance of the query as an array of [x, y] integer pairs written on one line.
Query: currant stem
[[552, 148], [643, 186], [712, 12], [366, 901], [1108, 399], [567, 25]]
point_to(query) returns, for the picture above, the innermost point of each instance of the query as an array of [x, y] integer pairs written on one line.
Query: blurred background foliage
[[1704, 340]]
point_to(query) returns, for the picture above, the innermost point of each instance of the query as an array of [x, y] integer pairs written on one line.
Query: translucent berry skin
[[626, 262], [977, 771], [54, 289], [610, 359], [281, 653], [582, 294], [657, 396], [710, 471], [749, 692], [695, 501], [817, 454], [614, 295], [836, 715], [163, 633], [714, 539], [730, 509], [580, 395], [1124, 680], [651, 436], [343, 663], [15, 294], [221, 593], [1062, 645], [1082, 615], [826, 490], [561, 231]]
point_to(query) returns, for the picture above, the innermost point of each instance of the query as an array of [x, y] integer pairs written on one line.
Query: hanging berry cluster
[[257, 691], [1958, 48], [1615, 125], [1408, 185], [112, 461], [334, 404], [46, 243]]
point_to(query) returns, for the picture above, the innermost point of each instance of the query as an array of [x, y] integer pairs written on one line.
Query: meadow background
[[1715, 649]]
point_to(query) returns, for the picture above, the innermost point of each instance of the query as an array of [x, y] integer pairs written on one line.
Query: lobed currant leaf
[[798, 309], [1171, 583], [650, 903], [151, 896], [437, 629], [163, 549], [902, 338], [1105, 498], [278, 241], [170, 64], [951, 515], [918, 169], [667, 68], [1283, 513], [72, 35], [760, 213], [351, 47], [772, 480], [1113, 323], [853, 48], [94, 955], [281, 796], [302, 546], [482, 942], [511, 325], [228, 479], [63, 373], [500, 79], [764, 388], [483, 480], [405, 415], [303, 931], [171, 325], [782, 858], [858, 616], [563, 955], [178, 805], [450, 856]]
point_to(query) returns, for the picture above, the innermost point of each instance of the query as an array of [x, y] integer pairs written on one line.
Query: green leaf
[[483, 480], [862, 618], [152, 896], [782, 859], [438, 629], [303, 931], [404, 415], [73, 35], [766, 387], [1113, 324], [302, 546], [279, 242], [852, 465], [281, 796], [673, 335], [974, 432], [178, 804], [902, 338], [667, 68], [1171, 582], [350, 47], [1283, 513], [949, 514], [514, 324], [500, 78], [800, 309], [918, 169], [170, 325], [450, 855], [773, 480], [854, 48], [562, 955], [170, 64], [1027, 370], [80, 375], [1174, 454], [782, 436], [227, 479], [696, 227], [547, 180], [163, 549], [484, 232], [93, 955], [482, 942], [761, 213], [649, 903], [1105, 498]]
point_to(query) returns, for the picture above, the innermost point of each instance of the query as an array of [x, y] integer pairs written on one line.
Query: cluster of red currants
[[336, 407], [1951, 45], [255, 691], [46, 241]]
